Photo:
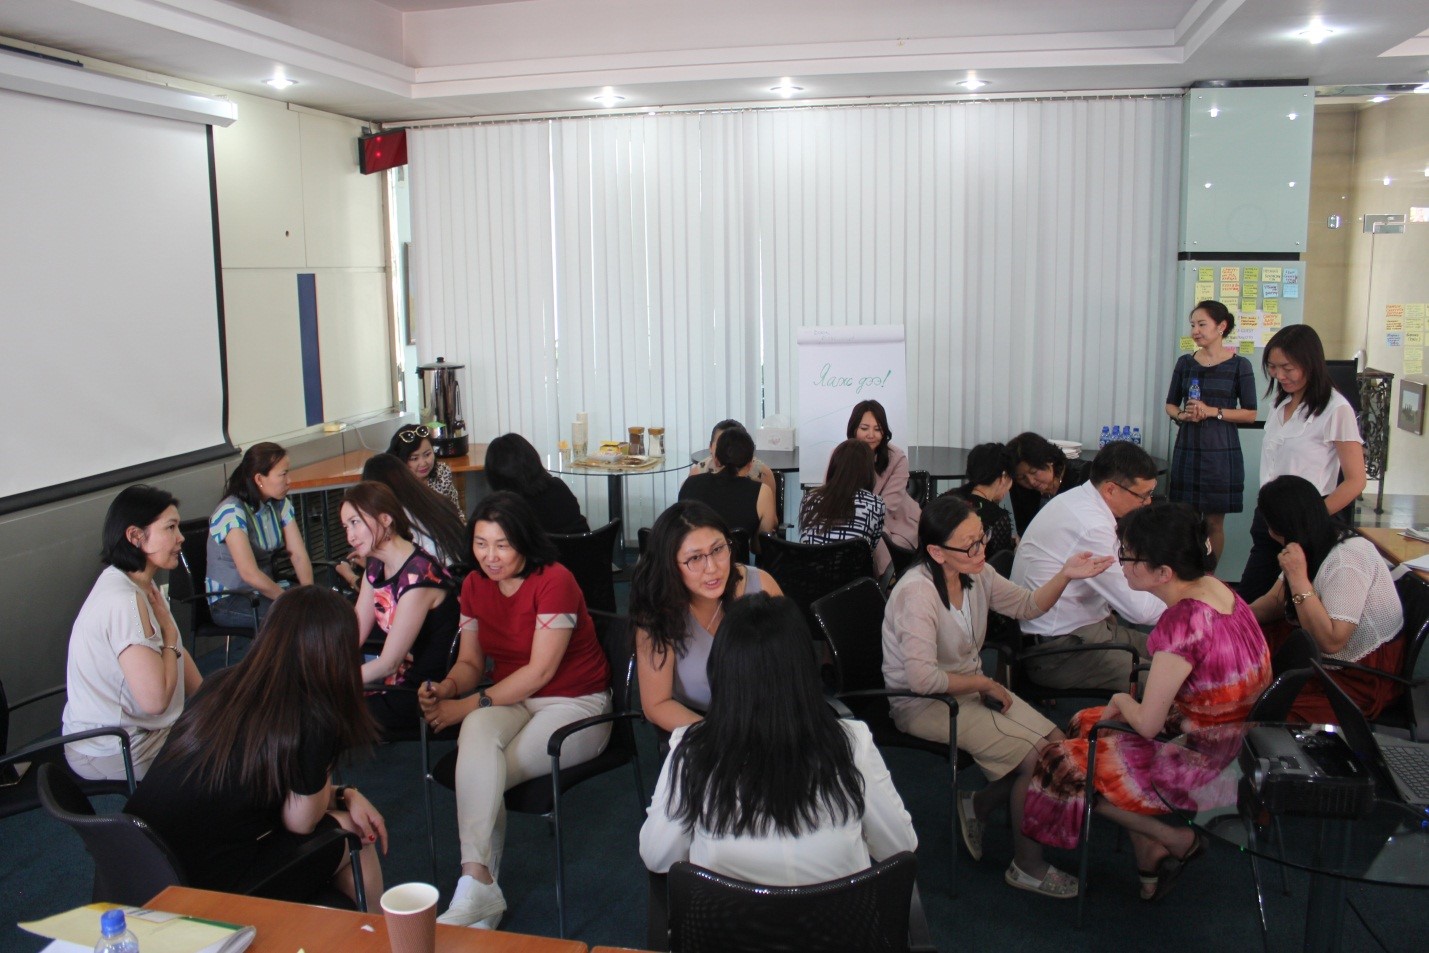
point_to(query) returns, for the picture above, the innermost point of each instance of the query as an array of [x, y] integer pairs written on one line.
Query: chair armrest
[[38, 697], [252, 595], [29, 752], [948, 700], [305, 854], [1377, 672], [559, 736], [840, 709]]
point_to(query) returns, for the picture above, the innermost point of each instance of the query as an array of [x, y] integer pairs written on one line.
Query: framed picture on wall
[[1411, 405]]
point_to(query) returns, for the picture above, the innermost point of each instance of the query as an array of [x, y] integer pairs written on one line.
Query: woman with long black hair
[[772, 787], [513, 464], [435, 521], [1333, 584], [245, 780], [869, 423]]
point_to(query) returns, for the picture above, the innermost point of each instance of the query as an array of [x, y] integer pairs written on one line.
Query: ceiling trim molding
[[76, 84]]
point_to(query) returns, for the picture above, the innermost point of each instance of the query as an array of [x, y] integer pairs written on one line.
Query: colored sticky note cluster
[[1187, 344], [1230, 273], [1270, 274], [1247, 348]]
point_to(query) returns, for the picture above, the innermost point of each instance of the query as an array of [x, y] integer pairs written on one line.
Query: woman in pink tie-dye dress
[[1209, 663]]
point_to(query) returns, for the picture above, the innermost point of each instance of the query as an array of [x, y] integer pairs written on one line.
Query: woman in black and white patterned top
[[845, 507]]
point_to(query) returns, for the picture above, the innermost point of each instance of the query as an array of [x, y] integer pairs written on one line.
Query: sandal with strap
[[1055, 884], [971, 826], [1169, 868]]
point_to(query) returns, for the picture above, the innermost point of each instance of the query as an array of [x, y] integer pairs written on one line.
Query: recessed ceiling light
[[1317, 33], [1208, 185], [1379, 99], [608, 98], [1292, 116], [1292, 185], [1387, 180], [1215, 111], [280, 82], [972, 83], [786, 88]]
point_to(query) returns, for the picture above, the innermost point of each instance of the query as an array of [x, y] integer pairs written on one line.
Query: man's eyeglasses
[[697, 563], [1122, 557], [413, 435], [1145, 498], [970, 551]]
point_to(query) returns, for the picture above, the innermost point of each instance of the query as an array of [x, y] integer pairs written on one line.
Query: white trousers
[[504, 745]]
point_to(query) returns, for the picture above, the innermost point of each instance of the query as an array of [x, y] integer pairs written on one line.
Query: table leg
[[1324, 911], [615, 507]]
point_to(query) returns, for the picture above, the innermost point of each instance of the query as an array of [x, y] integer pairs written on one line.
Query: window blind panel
[[654, 269]]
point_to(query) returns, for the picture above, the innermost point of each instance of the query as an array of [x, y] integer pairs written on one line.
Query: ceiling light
[[786, 88], [1215, 111], [972, 83], [608, 98], [1379, 99], [1292, 185], [1292, 116], [280, 82], [1208, 185], [1317, 33], [1387, 180]]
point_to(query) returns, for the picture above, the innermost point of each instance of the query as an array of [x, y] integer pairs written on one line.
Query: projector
[[1308, 771]]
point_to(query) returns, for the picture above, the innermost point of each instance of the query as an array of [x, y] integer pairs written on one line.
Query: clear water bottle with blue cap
[[1195, 391], [115, 935], [1136, 435], [1115, 433], [1105, 438]]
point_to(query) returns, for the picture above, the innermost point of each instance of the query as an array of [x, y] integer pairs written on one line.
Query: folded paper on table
[[157, 931]]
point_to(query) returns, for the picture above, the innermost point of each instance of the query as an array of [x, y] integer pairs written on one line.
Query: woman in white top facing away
[[772, 787], [933, 632], [125, 665], [1310, 432]]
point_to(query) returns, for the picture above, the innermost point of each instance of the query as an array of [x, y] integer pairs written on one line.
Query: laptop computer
[[1405, 763]]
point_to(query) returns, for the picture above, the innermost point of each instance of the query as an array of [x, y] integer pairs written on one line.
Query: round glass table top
[[627, 466], [1206, 777]]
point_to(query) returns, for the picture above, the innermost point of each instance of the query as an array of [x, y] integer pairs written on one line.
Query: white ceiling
[[396, 60]]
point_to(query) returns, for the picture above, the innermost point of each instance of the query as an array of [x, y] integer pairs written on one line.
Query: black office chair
[[543, 795], [901, 556], [18, 792], [872, 910], [1297, 651], [186, 585], [1410, 711], [920, 486], [589, 557], [806, 571], [851, 620], [132, 863]]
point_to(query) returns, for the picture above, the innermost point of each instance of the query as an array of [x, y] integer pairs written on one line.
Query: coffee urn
[[441, 407]]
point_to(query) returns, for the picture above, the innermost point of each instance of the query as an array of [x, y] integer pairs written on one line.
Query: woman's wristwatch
[[1301, 597]]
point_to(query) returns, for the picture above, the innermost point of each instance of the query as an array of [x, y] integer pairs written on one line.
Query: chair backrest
[[588, 556], [806, 571], [1274, 703], [851, 620], [866, 911], [131, 863], [901, 556], [617, 640], [1297, 651], [1001, 562], [920, 486], [1414, 598], [187, 579]]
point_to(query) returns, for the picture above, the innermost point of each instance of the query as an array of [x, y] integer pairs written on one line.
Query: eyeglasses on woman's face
[[971, 551], [413, 435], [718, 554], [1123, 558]]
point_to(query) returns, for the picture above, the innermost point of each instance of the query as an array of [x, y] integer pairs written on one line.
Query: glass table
[[614, 480], [1202, 778]]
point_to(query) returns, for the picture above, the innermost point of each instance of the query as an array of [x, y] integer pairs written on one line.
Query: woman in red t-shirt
[[523, 611]]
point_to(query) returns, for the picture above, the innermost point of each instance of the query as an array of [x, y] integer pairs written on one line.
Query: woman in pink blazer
[[869, 423]]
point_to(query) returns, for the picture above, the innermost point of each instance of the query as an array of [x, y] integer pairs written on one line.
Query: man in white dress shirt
[[1123, 477]]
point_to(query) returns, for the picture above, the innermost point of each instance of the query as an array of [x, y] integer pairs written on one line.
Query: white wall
[[291, 201]]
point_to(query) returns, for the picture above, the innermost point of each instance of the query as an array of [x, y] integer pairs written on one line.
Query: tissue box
[[774, 438]]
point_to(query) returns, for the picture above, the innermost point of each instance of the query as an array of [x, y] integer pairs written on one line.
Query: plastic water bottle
[[1195, 392], [1136, 435], [116, 936], [1115, 434], [1105, 438]]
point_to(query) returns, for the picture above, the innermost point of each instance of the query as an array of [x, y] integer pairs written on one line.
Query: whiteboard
[[838, 367]]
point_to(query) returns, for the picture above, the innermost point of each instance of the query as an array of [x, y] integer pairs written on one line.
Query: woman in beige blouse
[[933, 632]]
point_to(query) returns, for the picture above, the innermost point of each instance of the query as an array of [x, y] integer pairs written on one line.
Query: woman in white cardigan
[[772, 787]]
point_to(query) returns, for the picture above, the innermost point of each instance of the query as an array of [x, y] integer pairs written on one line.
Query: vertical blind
[[653, 270]]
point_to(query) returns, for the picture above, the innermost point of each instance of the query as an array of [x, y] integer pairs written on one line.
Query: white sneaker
[[474, 902]]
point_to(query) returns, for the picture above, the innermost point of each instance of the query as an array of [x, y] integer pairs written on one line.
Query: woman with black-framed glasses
[[412, 444], [682, 585], [933, 634], [1209, 663]]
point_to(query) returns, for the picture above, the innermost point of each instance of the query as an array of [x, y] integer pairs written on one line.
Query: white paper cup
[[411, 914]]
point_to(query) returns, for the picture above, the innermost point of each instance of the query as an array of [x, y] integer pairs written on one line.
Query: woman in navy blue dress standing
[[1212, 390]]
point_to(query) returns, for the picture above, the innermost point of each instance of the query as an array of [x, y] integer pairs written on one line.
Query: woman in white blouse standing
[[933, 632], [1310, 432], [772, 787]]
